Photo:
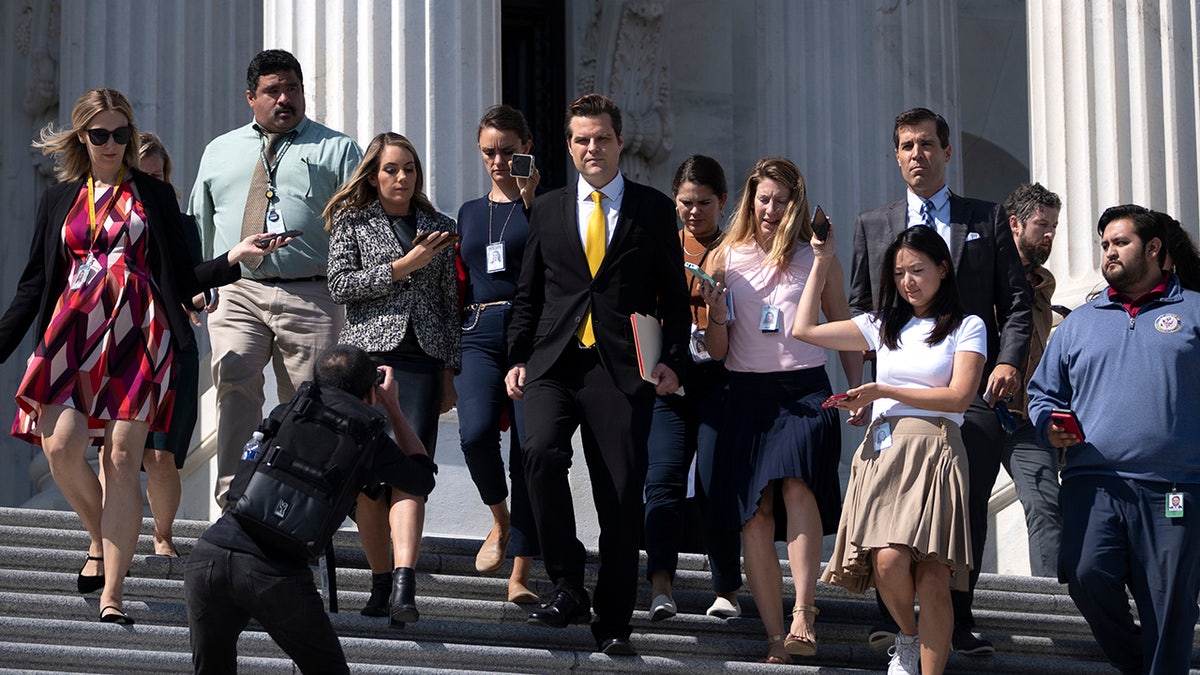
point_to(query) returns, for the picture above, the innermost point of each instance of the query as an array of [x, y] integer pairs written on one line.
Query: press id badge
[[495, 257], [1174, 504], [275, 224], [768, 322], [698, 347], [881, 436], [87, 271]]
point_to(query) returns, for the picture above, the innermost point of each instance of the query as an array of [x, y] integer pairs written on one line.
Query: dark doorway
[[534, 77]]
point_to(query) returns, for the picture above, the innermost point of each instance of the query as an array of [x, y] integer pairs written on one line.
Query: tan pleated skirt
[[911, 494]]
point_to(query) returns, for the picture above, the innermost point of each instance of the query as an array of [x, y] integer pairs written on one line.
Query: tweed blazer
[[380, 311]]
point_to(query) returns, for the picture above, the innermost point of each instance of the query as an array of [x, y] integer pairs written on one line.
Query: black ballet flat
[[88, 583], [117, 616]]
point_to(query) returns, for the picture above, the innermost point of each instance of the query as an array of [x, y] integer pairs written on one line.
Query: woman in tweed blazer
[[392, 265]]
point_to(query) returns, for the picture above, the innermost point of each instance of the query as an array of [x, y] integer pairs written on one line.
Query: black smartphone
[[380, 375], [422, 236], [820, 224], [1068, 421], [522, 166], [278, 235]]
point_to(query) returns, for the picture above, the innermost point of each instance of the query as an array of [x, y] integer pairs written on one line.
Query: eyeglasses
[[100, 136]]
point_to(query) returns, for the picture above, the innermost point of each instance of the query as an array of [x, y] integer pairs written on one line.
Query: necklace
[[491, 212]]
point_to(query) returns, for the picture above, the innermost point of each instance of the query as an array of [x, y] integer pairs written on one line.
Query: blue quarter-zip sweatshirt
[[1134, 384]]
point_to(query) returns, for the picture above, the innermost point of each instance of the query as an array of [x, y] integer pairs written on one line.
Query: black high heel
[[89, 583], [404, 601]]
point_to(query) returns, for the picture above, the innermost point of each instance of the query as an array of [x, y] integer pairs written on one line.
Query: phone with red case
[[832, 401], [1068, 421]]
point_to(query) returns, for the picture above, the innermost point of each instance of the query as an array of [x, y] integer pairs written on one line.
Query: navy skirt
[[776, 428]]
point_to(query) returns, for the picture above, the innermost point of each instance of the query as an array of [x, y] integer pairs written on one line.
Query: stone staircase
[[464, 628]]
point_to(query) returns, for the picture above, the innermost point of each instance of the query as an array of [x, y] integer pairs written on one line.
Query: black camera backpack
[[316, 452]]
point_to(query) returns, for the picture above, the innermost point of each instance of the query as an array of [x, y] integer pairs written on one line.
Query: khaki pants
[[287, 324]]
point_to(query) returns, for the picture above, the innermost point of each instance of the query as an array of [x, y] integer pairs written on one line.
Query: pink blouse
[[752, 286]]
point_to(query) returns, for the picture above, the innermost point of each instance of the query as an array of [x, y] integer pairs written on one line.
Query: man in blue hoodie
[[1128, 365]]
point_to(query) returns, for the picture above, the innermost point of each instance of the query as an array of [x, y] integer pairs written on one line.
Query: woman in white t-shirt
[[904, 526]]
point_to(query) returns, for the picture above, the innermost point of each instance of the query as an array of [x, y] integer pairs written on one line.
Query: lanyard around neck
[[93, 231]]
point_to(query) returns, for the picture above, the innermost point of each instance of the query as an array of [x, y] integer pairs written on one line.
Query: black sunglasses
[[100, 136]]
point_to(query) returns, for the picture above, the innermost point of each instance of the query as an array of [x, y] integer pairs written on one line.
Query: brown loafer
[[491, 554], [520, 594]]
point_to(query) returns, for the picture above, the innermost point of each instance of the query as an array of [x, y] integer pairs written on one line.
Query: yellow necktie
[[593, 248]]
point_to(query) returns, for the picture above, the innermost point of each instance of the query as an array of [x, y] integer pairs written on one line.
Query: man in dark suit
[[598, 251], [991, 285]]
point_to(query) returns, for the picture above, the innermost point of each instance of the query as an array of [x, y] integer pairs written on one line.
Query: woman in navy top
[[494, 230]]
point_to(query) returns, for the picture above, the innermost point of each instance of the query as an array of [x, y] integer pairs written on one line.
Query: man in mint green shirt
[[275, 174]]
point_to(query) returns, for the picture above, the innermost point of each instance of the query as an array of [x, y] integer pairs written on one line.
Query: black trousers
[[984, 438], [578, 393], [224, 589]]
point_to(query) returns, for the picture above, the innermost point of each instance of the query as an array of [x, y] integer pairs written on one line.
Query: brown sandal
[[802, 646]]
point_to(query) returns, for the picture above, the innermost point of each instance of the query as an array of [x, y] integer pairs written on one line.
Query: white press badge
[[495, 257], [769, 321], [275, 224], [881, 436], [88, 269], [698, 347]]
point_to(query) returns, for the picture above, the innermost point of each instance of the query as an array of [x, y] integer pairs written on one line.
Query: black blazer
[[171, 267], [991, 282], [641, 272]]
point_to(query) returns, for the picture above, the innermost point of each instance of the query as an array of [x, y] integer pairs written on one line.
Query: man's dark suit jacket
[[171, 266], [991, 282], [642, 272]]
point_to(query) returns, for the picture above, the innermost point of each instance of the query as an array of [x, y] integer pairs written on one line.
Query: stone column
[[181, 64], [423, 68], [822, 83], [1114, 116]]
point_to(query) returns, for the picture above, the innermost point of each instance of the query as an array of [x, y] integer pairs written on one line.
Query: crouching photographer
[[296, 483]]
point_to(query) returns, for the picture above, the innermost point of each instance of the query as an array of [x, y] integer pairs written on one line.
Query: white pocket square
[[972, 236]]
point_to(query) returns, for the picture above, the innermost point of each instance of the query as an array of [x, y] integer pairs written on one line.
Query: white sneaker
[[663, 607], [724, 609], [906, 655]]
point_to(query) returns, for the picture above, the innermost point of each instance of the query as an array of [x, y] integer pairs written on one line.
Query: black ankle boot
[[381, 587], [404, 592]]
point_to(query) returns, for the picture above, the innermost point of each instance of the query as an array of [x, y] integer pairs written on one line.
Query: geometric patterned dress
[[107, 349]]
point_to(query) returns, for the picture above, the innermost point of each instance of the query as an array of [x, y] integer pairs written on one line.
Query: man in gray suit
[[991, 285]]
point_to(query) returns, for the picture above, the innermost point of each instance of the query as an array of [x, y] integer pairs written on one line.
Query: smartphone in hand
[[278, 235], [700, 274], [834, 400], [1068, 421], [820, 224], [522, 166]]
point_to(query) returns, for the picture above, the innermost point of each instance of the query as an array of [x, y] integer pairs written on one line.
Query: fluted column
[[1114, 117], [181, 64], [826, 83], [423, 68]]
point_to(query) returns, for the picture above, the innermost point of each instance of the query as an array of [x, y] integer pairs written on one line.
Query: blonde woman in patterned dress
[[106, 275]]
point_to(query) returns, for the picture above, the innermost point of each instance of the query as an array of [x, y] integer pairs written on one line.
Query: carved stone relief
[[623, 56], [38, 34]]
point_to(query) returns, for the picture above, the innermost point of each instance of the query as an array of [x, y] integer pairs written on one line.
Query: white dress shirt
[[941, 211], [613, 193]]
